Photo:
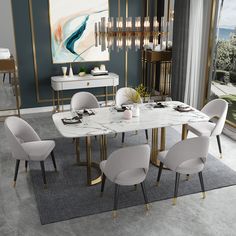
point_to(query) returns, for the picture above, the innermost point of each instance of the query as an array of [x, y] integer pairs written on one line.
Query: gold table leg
[[184, 131], [163, 139], [53, 101], [154, 151], [103, 147], [58, 101], [89, 163]]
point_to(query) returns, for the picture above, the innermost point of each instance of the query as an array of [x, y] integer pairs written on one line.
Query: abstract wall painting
[[72, 30]]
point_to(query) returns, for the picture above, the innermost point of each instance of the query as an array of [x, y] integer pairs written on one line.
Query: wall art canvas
[[72, 30]]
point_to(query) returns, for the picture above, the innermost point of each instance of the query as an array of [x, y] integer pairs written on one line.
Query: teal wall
[[44, 60]]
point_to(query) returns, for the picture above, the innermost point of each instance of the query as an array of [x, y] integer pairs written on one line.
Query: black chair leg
[[26, 166], [116, 197], [123, 137], [219, 145], [159, 173], [4, 75], [43, 173], [202, 184], [103, 183], [53, 161], [9, 78], [146, 133], [144, 192], [176, 188], [16, 172]]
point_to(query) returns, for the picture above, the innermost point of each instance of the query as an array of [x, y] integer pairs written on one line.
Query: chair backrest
[[83, 100], [193, 148], [128, 158], [19, 131], [217, 108], [124, 96]]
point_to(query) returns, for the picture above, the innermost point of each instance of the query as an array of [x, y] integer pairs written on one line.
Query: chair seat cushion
[[190, 166], [38, 150], [202, 128], [128, 177], [162, 155]]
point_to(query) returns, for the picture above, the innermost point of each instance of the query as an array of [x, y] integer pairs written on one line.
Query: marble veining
[[107, 120]]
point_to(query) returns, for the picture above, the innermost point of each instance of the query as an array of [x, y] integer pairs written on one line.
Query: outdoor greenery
[[226, 71], [226, 55], [231, 99]]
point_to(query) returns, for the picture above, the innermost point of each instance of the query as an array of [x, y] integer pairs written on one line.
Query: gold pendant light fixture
[[135, 32]]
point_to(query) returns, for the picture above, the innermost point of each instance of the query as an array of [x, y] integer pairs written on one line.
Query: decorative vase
[[127, 114], [135, 110], [71, 74]]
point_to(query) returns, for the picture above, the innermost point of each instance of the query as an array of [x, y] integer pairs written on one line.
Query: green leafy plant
[[142, 91], [82, 69]]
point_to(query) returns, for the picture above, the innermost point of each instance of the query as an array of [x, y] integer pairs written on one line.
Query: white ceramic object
[[81, 74], [96, 68], [64, 70], [102, 67], [71, 74], [135, 110], [127, 114]]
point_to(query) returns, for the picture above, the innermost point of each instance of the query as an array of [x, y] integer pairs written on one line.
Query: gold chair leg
[[174, 201], [114, 214], [203, 195], [14, 184]]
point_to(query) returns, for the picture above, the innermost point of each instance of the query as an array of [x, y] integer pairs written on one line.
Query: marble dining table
[[107, 120]]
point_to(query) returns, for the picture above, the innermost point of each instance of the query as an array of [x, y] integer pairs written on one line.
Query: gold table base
[[154, 145], [89, 163]]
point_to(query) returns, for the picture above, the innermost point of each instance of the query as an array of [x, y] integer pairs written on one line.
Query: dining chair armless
[[216, 108], [185, 157], [83, 100], [126, 166], [125, 96], [26, 145]]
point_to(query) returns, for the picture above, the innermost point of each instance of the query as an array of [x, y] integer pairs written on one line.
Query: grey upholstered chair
[[186, 157], [83, 100], [214, 109], [26, 145], [126, 166], [123, 97]]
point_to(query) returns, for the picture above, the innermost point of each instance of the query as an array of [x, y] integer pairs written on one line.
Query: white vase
[[136, 110], [71, 74]]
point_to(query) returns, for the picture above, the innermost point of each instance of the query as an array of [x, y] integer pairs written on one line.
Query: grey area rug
[[69, 197]]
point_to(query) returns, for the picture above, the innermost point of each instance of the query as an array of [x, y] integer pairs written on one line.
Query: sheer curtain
[[199, 23]]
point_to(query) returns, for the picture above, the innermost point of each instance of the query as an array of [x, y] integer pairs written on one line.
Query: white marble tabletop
[[107, 120]]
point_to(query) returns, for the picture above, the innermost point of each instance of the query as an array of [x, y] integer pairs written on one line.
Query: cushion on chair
[[128, 177], [102, 165], [38, 150], [162, 155], [131, 177], [202, 128], [188, 167], [191, 166]]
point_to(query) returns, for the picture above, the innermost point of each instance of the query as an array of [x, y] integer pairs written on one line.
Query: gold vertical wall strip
[[147, 7], [118, 8], [34, 49], [126, 52], [209, 51], [16, 75]]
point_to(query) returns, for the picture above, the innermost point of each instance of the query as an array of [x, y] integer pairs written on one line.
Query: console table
[[61, 83]]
